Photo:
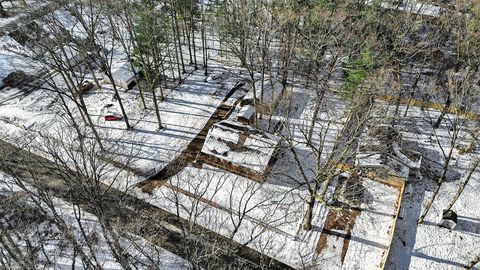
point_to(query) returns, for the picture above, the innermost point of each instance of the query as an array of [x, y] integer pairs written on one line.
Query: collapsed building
[[240, 149], [381, 147]]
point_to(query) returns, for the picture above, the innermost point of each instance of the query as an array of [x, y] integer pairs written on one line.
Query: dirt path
[[134, 215]]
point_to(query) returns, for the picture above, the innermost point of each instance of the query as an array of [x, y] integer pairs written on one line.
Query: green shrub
[[357, 71]]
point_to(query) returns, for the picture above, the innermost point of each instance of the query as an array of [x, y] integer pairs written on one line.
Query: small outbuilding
[[245, 115], [240, 149], [123, 75]]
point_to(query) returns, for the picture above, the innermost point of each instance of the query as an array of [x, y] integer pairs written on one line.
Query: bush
[[357, 71]]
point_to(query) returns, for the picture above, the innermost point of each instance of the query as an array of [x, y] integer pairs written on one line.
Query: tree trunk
[[193, 40], [10, 246], [204, 42], [177, 38], [137, 78], [307, 225], [439, 185], [90, 123], [97, 83], [472, 263], [414, 87], [74, 90], [205, 52], [157, 112], [316, 110], [78, 216], [252, 77], [119, 99], [448, 102], [264, 60], [464, 184], [472, 145], [114, 243], [70, 115], [186, 33]]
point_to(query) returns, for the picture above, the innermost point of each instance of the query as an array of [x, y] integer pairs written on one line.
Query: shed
[[240, 149], [245, 115], [123, 75]]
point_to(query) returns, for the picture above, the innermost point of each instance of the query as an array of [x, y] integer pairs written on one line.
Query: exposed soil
[[338, 221]]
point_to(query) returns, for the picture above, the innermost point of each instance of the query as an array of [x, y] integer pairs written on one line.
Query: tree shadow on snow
[[432, 166], [468, 225]]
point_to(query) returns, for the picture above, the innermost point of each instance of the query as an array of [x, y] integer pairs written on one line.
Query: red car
[[112, 118]]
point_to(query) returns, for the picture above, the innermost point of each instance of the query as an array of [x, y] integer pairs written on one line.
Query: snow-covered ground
[[144, 149], [183, 113], [58, 252], [13, 58], [16, 9], [428, 246], [410, 6], [275, 209], [268, 216]]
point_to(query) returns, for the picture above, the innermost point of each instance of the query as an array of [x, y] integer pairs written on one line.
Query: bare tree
[[58, 52], [459, 89], [471, 171]]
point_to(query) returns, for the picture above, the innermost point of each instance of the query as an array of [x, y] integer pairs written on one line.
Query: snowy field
[[15, 10], [275, 209], [184, 112], [147, 150], [411, 6]]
